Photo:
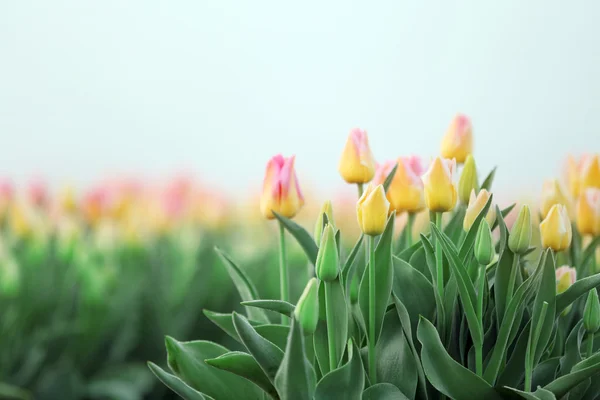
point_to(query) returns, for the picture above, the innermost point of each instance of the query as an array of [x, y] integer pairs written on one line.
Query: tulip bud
[[588, 212], [281, 192], [468, 180], [326, 209], [357, 164], [372, 210], [565, 277], [307, 309], [458, 141], [520, 235], [440, 190], [552, 193], [328, 259], [591, 173], [484, 246], [476, 204], [405, 192], [591, 312], [555, 229]]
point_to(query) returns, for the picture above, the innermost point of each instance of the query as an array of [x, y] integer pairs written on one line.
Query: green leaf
[[244, 365], [340, 316], [321, 345], [418, 260], [383, 391], [351, 257], [540, 394], [579, 288], [408, 252], [572, 353], [545, 372], [274, 333], [546, 293], [295, 379], [513, 373], [589, 251], [186, 360], [489, 179], [267, 354], [390, 178], [581, 371], [383, 283], [346, 382], [503, 273], [244, 286], [469, 241], [11, 392], [302, 237], [445, 374], [280, 306], [454, 227], [175, 384], [225, 322]]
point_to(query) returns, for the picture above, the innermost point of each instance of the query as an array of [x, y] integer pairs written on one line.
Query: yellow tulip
[[476, 204], [458, 141], [440, 190], [552, 193], [591, 173], [555, 229], [468, 180], [357, 164], [565, 277], [281, 192], [68, 199], [573, 175], [372, 210], [405, 193], [588, 212]]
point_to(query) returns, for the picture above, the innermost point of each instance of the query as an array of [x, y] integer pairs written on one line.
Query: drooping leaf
[[346, 382], [383, 391], [302, 237], [279, 306], [274, 333], [579, 288], [177, 385]]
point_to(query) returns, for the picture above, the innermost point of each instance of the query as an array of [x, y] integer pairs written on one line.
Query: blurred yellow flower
[[405, 192], [555, 229], [476, 204], [458, 141], [440, 190], [552, 193], [588, 212]]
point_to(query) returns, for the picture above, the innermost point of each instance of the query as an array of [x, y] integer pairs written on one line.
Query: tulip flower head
[[307, 309], [476, 204], [405, 192], [565, 277], [590, 175], [588, 212], [520, 235], [327, 210], [440, 189], [468, 180], [574, 172], [357, 164], [458, 141], [372, 210], [281, 191], [552, 193], [555, 229]]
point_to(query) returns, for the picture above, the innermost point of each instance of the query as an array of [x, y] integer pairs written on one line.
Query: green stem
[[284, 278], [330, 310], [439, 259], [410, 221], [479, 346], [590, 344], [479, 360], [512, 279], [360, 189], [531, 347], [372, 291]]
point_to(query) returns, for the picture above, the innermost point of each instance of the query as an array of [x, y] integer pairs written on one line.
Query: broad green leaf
[[579, 288], [321, 346], [302, 237], [540, 394], [419, 261], [389, 178], [186, 360], [295, 379], [545, 372], [267, 354], [244, 286], [244, 365], [175, 384], [501, 282], [454, 227], [572, 353], [280, 306], [11, 392], [581, 371], [346, 382], [334, 293], [513, 372], [439, 304], [546, 293], [383, 391], [445, 374], [469, 241], [274, 333], [589, 251], [225, 322], [351, 257], [489, 179]]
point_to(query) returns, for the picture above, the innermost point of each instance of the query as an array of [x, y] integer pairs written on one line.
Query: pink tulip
[[281, 191]]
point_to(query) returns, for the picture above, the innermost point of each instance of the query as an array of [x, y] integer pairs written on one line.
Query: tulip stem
[[372, 291], [439, 258], [590, 344], [410, 221], [330, 310], [283, 270], [360, 189], [479, 346]]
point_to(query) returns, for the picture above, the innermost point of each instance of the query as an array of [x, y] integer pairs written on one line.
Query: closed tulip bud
[[588, 212], [555, 229], [307, 309], [520, 235], [372, 210], [458, 141], [591, 173], [484, 247], [565, 277], [357, 164], [440, 190], [327, 210], [281, 191], [405, 192], [552, 193], [476, 204], [468, 180], [328, 259], [591, 312]]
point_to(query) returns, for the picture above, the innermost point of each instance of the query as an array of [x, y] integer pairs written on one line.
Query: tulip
[[281, 191], [38, 193], [591, 312], [372, 210], [68, 200], [588, 212], [357, 164], [484, 246], [307, 309], [520, 235], [440, 190], [458, 141], [328, 259], [591, 173], [327, 210], [565, 277], [574, 171], [468, 180], [405, 192], [552, 193], [476, 204], [555, 229]]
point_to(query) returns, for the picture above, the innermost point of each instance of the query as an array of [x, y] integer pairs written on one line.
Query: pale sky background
[[89, 88]]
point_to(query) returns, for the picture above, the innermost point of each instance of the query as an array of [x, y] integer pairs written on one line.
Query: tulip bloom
[[476, 204], [372, 210], [555, 229], [590, 176], [440, 190], [588, 212], [458, 141], [565, 277], [468, 180], [357, 164], [574, 172], [405, 192], [552, 193], [281, 191]]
